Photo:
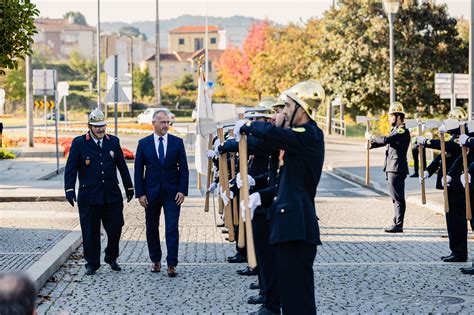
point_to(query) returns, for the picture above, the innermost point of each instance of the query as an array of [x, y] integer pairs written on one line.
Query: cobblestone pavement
[[359, 269], [28, 230]]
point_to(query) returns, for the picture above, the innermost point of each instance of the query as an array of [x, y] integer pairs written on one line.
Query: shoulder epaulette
[[401, 130], [299, 129]]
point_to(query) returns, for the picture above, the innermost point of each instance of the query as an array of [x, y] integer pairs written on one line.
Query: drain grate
[[428, 299]]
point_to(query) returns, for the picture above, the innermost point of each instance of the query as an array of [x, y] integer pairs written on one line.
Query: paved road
[[358, 269]]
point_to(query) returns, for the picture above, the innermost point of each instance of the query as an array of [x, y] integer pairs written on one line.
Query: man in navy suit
[[161, 181]]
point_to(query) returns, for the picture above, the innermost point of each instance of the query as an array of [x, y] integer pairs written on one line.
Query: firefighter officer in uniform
[[396, 163], [94, 158]]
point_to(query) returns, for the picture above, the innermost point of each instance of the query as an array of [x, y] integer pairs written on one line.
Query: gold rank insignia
[[401, 130], [112, 154], [428, 142], [456, 140], [88, 161], [299, 129]]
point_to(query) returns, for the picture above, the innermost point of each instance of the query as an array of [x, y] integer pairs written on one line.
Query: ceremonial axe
[[366, 120]]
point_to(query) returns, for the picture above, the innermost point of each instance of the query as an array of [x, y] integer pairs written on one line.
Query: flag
[[205, 124]]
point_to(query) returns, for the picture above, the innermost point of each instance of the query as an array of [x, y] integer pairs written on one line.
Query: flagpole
[[206, 45]]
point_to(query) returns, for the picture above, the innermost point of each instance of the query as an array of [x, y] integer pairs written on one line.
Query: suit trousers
[[152, 216], [294, 267], [266, 262], [456, 223], [111, 216], [396, 188]]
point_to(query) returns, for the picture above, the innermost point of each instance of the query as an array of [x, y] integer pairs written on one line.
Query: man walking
[[95, 157], [161, 181]]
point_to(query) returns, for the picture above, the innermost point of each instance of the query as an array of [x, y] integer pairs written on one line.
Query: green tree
[[17, 28], [77, 17], [142, 83], [131, 31], [351, 58], [86, 67], [186, 83]]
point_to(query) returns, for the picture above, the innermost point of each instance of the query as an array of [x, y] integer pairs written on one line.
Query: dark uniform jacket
[[97, 170], [453, 151], [293, 215], [397, 143]]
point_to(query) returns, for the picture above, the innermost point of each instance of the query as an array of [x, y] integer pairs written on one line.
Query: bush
[[5, 154]]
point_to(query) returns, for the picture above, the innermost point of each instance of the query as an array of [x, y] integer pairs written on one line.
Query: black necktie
[[99, 144], [161, 151]]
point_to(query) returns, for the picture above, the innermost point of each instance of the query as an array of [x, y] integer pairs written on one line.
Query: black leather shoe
[[238, 258], [90, 271], [247, 272], [467, 271], [114, 266], [263, 311], [225, 231], [220, 225], [453, 258], [255, 286], [414, 175], [256, 299], [394, 229], [444, 257]]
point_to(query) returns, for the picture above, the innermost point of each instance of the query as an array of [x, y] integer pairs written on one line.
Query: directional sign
[[63, 89], [122, 66], [44, 82], [2, 101], [449, 84]]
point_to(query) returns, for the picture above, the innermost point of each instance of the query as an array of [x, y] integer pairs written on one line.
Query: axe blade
[[411, 123], [451, 124], [361, 119], [432, 124], [470, 126]]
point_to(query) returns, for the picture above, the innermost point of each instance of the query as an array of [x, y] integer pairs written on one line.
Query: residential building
[[191, 38]]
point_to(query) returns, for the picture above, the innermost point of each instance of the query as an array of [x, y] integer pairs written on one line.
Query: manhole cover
[[429, 299]]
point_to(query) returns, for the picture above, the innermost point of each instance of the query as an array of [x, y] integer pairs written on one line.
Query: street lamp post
[[391, 8]]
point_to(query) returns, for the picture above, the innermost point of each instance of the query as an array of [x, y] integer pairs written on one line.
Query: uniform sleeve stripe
[[68, 190]]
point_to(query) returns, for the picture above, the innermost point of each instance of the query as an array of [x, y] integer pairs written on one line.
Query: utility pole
[[157, 58], [98, 54], [29, 103], [471, 61]]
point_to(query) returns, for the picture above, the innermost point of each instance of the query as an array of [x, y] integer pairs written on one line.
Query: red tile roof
[[195, 29], [58, 25]]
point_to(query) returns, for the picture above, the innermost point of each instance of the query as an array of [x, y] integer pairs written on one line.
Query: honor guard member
[[396, 164], [95, 158], [294, 229], [456, 217]]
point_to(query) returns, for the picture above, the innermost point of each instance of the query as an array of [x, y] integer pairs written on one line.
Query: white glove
[[254, 202], [223, 196], [231, 194], [367, 135], [211, 154], [420, 140], [424, 176], [448, 180], [463, 139], [238, 125], [212, 187], [463, 180], [239, 182], [216, 144], [442, 128]]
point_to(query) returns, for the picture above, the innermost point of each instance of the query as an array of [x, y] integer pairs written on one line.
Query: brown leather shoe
[[172, 272], [156, 267]]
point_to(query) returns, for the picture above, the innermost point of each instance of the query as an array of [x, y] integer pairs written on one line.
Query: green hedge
[[5, 154]]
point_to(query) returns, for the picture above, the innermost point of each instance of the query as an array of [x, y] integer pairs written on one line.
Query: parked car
[[147, 116], [50, 116], [194, 115]]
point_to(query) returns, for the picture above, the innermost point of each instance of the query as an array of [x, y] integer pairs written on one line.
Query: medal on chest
[[87, 161]]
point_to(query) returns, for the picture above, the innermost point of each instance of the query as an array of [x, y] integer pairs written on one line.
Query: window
[[181, 41], [172, 68], [210, 66], [213, 40], [198, 43]]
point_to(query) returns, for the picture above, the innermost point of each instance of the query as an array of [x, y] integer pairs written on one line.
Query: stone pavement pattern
[[358, 269], [28, 230]]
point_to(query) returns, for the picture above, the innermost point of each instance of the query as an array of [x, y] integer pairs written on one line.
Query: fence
[[338, 126]]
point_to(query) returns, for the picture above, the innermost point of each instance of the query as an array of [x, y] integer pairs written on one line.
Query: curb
[[378, 188], [31, 198], [52, 174], [52, 260]]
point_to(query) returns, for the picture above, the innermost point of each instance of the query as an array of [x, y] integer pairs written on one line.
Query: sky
[[279, 11]]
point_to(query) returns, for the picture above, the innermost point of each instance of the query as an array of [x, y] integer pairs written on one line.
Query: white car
[[147, 116]]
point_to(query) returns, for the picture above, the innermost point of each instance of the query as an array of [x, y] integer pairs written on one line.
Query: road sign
[[122, 66], [452, 85], [39, 104], [44, 82], [121, 96], [63, 89], [2, 101]]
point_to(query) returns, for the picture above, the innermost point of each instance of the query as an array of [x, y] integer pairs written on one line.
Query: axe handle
[[224, 181], [209, 176], [241, 236], [422, 167], [367, 159], [235, 204], [243, 157], [466, 177], [443, 166]]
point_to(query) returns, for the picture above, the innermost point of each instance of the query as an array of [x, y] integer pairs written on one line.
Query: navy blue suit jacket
[[151, 176]]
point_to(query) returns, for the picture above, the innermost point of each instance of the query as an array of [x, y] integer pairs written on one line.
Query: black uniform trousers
[[111, 216], [396, 188], [294, 267], [415, 151], [456, 223], [266, 262], [152, 216]]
